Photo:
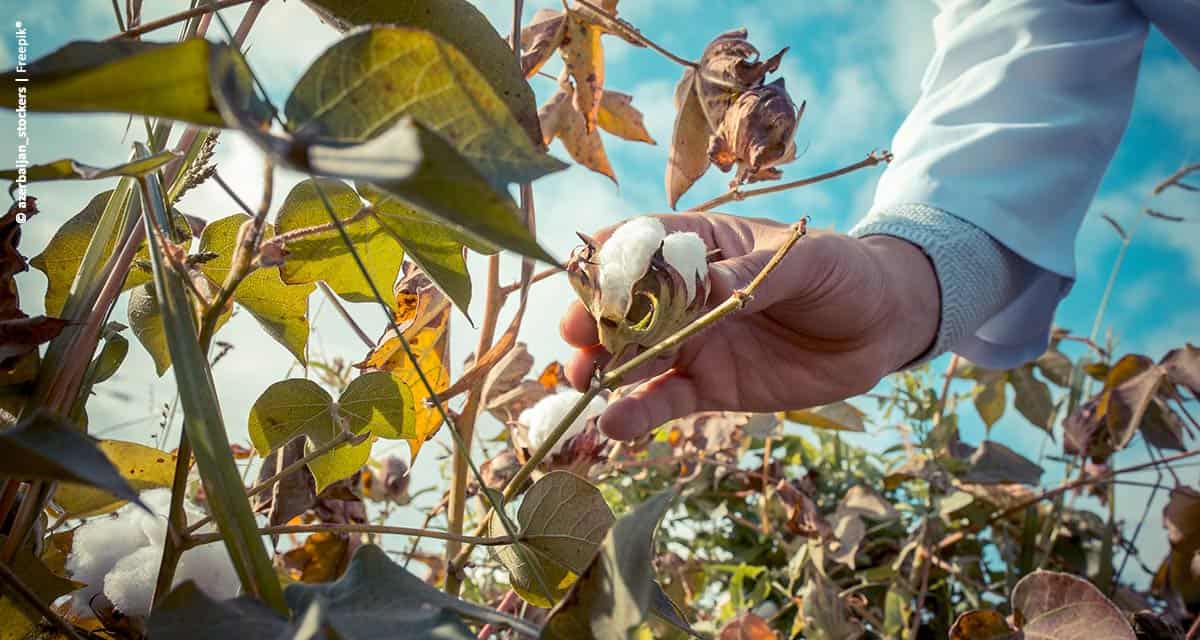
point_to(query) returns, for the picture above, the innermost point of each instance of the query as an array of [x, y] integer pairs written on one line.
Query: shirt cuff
[[978, 277]]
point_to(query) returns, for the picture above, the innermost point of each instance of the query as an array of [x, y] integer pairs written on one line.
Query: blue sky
[[858, 65]]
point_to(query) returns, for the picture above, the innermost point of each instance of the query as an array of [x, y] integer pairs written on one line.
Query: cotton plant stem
[[614, 378], [166, 21], [509, 289], [737, 195], [492, 541]]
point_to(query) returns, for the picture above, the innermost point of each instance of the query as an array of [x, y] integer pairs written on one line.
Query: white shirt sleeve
[[1021, 109]]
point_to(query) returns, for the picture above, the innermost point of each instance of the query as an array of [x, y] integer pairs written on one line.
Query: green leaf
[[364, 83], [145, 320], [990, 399], [1031, 397], [45, 446], [112, 354], [375, 402], [67, 169], [129, 76], [562, 521], [142, 468], [378, 599], [187, 613], [324, 255], [280, 308], [838, 416], [457, 22], [614, 594]]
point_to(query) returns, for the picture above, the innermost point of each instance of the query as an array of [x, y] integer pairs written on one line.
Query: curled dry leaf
[[540, 39], [729, 66], [756, 133], [687, 159], [1179, 573], [619, 117], [583, 55], [19, 334], [571, 127], [747, 626]]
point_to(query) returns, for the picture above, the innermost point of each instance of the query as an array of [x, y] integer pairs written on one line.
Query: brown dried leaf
[[583, 55], [729, 66], [584, 143], [552, 376], [1047, 604], [1177, 574], [540, 39], [619, 117], [294, 493], [994, 463], [687, 160], [552, 113], [836, 416], [19, 334], [711, 432], [1183, 368], [322, 558], [757, 133], [804, 519], [982, 624]]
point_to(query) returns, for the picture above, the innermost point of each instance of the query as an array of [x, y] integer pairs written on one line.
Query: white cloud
[[1170, 88]]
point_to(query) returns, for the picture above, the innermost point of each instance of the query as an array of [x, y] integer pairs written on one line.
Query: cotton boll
[[541, 418], [209, 566], [95, 549], [686, 252], [624, 259], [130, 584]]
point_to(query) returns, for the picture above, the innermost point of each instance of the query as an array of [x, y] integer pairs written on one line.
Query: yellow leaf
[[321, 558], [583, 143], [583, 56], [142, 467], [619, 117]]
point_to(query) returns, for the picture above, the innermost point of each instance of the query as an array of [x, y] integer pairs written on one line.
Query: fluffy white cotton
[[624, 259], [686, 252], [541, 418], [119, 556]]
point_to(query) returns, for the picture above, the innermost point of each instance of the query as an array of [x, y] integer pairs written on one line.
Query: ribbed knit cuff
[[977, 275]]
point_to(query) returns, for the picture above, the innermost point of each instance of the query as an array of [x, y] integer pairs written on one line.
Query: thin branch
[[1174, 178], [174, 18], [509, 289], [117, 12], [623, 28], [341, 309], [736, 195], [31, 598], [482, 541]]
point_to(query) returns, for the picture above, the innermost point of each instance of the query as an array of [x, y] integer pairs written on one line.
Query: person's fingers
[[583, 364], [577, 326], [666, 397]]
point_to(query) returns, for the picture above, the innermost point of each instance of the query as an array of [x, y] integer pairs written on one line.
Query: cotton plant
[[118, 556], [642, 284], [541, 419]]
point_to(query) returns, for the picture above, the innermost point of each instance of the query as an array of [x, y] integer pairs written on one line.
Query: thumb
[[727, 276]]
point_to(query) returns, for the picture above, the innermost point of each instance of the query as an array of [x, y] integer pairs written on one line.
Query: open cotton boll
[[541, 418], [95, 549], [210, 567], [130, 584], [686, 252], [624, 259]]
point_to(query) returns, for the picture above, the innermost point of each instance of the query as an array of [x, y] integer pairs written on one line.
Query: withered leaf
[[294, 493], [583, 143], [554, 111], [540, 39], [687, 159], [19, 334], [729, 66], [619, 117], [757, 133], [1183, 368], [583, 55], [1178, 574], [748, 626]]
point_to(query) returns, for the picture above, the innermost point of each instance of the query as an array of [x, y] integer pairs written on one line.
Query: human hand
[[836, 315]]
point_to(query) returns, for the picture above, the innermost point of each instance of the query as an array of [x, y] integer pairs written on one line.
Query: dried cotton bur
[[581, 106], [642, 285], [727, 116]]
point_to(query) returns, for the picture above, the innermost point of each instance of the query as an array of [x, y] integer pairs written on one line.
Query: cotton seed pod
[[642, 285], [729, 66], [757, 134]]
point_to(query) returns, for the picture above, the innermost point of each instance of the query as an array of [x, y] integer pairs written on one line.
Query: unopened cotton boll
[[624, 259], [686, 252], [543, 417]]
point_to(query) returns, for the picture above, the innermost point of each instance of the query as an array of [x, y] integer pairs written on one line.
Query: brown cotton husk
[[660, 303], [729, 66], [757, 133]]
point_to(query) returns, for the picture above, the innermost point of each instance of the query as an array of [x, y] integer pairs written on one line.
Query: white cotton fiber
[[541, 418], [687, 254], [624, 259], [120, 555]]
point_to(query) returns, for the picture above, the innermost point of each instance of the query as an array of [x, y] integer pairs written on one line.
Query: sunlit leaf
[[619, 117], [838, 416], [324, 255], [145, 320], [68, 169], [142, 467], [990, 398], [983, 624], [1031, 397], [1061, 606], [18, 619], [320, 558], [562, 519], [457, 22], [583, 56], [47, 447], [687, 159], [363, 84], [281, 309], [128, 76], [747, 626]]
